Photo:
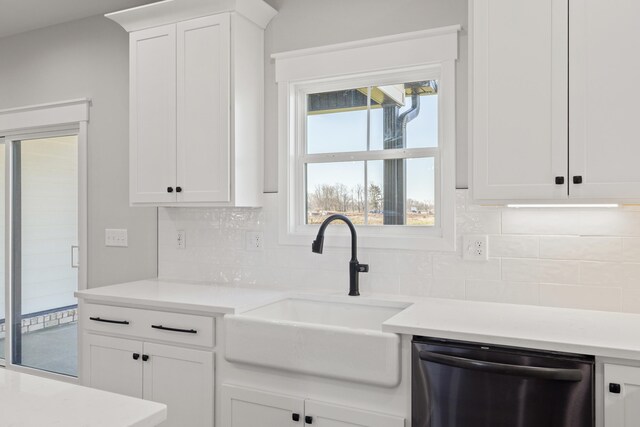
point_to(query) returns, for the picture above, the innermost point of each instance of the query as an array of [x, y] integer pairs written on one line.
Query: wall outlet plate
[[116, 237], [181, 239], [475, 247], [254, 240]]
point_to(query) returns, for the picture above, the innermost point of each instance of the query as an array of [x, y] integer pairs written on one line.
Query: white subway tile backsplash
[[514, 246], [610, 222], [559, 271], [540, 222], [559, 257], [578, 296], [631, 249], [501, 291], [520, 270], [601, 273]]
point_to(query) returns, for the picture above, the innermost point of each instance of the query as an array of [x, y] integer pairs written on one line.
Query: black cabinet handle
[[178, 189], [308, 419], [136, 356], [577, 179], [117, 322], [559, 180], [295, 417], [165, 328], [169, 189], [145, 357], [614, 388]]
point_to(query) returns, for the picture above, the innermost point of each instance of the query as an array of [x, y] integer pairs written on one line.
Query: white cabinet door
[[113, 364], [183, 380], [604, 94], [519, 99], [621, 409], [243, 407], [152, 115], [203, 150], [327, 415]]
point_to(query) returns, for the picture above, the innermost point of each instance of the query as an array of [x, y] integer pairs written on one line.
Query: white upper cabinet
[[196, 102], [604, 91], [203, 109], [519, 99], [554, 100], [152, 112]]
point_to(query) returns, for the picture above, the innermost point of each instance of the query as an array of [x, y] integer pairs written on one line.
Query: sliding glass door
[[43, 266]]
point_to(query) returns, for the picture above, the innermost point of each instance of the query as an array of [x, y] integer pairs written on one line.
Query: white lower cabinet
[[181, 378], [111, 365], [621, 396], [244, 407]]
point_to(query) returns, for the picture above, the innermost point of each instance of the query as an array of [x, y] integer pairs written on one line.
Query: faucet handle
[[363, 268]]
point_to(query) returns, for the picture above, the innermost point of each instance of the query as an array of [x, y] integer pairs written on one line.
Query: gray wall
[[309, 23], [89, 59]]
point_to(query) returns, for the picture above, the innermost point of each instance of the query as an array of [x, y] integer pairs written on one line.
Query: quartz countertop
[[597, 333], [27, 401], [174, 295]]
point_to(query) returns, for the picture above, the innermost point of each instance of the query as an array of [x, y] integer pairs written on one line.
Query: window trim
[[382, 60]]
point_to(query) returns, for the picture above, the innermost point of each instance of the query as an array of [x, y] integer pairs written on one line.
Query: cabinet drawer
[[150, 324]]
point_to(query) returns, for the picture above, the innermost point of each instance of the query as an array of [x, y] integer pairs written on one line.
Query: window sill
[[400, 237]]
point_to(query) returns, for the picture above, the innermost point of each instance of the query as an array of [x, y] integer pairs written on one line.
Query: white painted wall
[[89, 59], [308, 23]]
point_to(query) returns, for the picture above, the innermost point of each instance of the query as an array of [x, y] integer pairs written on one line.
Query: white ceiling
[[17, 16]]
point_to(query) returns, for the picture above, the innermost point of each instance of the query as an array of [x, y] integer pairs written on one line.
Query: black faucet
[[355, 268]]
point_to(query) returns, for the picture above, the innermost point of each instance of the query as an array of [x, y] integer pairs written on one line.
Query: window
[[371, 152], [370, 135]]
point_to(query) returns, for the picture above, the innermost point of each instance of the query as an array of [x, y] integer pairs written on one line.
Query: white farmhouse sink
[[333, 339]]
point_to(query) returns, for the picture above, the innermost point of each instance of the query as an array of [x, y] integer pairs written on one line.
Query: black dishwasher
[[460, 384]]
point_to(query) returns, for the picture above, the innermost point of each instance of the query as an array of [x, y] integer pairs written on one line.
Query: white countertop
[[28, 400], [597, 333], [202, 297]]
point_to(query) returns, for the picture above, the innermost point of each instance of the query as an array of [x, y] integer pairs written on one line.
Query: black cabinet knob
[[169, 189], [577, 179], [559, 180], [295, 417], [136, 356], [614, 388], [308, 419], [145, 357], [178, 189]]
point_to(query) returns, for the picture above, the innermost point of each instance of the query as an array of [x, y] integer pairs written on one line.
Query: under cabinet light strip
[[583, 205]]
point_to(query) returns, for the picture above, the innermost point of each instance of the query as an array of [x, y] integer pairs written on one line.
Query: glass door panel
[[45, 239]]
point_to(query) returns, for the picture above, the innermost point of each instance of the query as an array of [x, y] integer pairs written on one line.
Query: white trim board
[[398, 51], [29, 118]]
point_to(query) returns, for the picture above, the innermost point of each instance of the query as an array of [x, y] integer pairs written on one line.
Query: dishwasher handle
[[552, 374]]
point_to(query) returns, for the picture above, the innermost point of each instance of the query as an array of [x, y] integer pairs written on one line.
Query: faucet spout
[[355, 268]]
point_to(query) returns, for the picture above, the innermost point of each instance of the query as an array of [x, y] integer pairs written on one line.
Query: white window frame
[[417, 56]]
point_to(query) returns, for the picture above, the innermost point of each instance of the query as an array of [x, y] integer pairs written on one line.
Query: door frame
[[32, 122]]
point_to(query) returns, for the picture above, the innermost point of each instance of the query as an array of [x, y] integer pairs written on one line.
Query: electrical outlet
[[475, 247], [254, 240], [116, 237], [181, 239]]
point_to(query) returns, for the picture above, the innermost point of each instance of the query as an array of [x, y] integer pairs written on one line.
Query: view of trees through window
[[364, 122]]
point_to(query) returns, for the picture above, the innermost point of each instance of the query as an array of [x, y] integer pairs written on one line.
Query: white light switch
[[181, 239], [116, 237], [254, 240]]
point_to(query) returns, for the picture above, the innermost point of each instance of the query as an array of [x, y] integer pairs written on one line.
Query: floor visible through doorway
[[52, 349]]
